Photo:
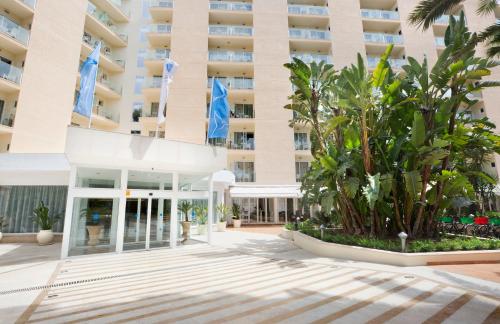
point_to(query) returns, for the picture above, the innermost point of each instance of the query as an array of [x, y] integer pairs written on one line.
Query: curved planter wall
[[357, 253]]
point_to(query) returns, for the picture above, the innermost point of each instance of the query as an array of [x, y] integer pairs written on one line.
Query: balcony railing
[[234, 83], [383, 38], [160, 28], [12, 29], [312, 57], [10, 72], [248, 145], [109, 84], [230, 6], [394, 62], [302, 146], [445, 19], [161, 3], [105, 49], [30, 3], [307, 10], [153, 82], [440, 41], [244, 176], [7, 116], [230, 56], [230, 30], [379, 14], [157, 54], [315, 34], [105, 20], [104, 112]]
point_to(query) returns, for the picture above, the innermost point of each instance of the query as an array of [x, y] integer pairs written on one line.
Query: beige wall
[[48, 84], [274, 155], [187, 99]]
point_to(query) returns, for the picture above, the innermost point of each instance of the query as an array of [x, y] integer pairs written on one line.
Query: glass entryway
[[147, 223]]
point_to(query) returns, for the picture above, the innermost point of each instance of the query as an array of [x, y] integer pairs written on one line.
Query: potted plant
[[94, 227], [223, 212], [3, 223], [45, 222], [185, 207], [236, 216], [201, 219]]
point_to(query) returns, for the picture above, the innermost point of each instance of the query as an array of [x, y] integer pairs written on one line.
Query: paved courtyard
[[245, 278]]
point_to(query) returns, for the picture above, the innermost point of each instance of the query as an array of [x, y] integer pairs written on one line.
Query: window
[[301, 142], [135, 132], [243, 141], [300, 170], [161, 134], [137, 111], [149, 180], [97, 178], [243, 111], [244, 171], [139, 81], [140, 58], [154, 109]]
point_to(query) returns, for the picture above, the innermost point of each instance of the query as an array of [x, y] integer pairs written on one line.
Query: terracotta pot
[[45, 237], [221, 226], [186, 229], [94, 233], [237, 223]]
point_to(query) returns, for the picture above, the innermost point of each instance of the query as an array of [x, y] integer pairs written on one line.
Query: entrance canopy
[[18, 169], [291, 191]]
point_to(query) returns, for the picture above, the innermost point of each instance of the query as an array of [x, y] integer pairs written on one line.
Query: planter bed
[[26, 238], [363, 254]]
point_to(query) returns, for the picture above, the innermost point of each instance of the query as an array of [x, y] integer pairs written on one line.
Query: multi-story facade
[[243, 43]]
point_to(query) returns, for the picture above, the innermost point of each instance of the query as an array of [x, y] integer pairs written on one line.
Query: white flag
[[169, 68]]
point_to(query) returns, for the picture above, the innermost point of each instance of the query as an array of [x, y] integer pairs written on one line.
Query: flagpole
[[210, 107], [93, 93]]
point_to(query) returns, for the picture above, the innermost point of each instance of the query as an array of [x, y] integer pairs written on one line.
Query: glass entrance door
[[147, 223]]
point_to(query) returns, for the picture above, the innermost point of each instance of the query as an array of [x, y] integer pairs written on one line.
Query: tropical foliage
[[185, 207], [428, 11], [223, 212], [392, 151], [201, 213], [42, 217]]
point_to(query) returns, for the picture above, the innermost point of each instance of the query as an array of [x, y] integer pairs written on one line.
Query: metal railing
[[379, 14], [104, 112], [303, 33], [394, 62], [312, 57], [244, 176], [307, 10], [160, 28], [230, 30], [383, 38], [103, 17], [230, 6], [14, 30], [10, 72], [157, 54], [302, 146], [233, 82], [248, 145], [8, 116], [105, 49], [161, 3], [153, 82], [230, 56], [109, 84]]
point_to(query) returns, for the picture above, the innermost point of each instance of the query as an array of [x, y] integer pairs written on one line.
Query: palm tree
[[428, 11], [185, 207]]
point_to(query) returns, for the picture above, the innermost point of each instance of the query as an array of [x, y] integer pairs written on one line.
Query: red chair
[[481, 220]]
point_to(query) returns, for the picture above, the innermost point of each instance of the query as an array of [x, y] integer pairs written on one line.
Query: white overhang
[[286, 191], [33, 169]]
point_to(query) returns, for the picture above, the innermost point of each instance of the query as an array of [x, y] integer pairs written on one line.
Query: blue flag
[[218, 122], [88, 74]]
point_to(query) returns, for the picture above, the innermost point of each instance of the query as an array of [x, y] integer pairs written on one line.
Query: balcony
[[230, 56], [13, 37], [100, 23], [241, 176], [379, 14], [244, 145], [21, 9], [380, 38], [308, 58], [7, 116], [155, 58], [230, 30], [159, 35], [233, 83], [10, 77], [230, 6], [108, 60], [102, 118], [161, 9], [309, 34], [302, 146], [396, 63], [307, 10], [115, 9]]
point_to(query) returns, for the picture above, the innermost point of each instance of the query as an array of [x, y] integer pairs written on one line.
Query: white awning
[[265, 192], [34, 169]]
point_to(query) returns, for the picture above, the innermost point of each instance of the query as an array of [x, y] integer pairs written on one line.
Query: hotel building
[[116, 174]]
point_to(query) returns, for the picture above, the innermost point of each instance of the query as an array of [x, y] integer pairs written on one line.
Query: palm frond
[[428, 11], [486, 7]]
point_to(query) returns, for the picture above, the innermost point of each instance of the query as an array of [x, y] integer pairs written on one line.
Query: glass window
[[93, 226], [139, 81], [137, 111], [193, 182], [149, 180], [97, 178], [244, 171], [300, 170], [140, 58]]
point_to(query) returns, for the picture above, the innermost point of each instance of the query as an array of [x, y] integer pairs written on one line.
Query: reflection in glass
[[136, 213], [149, 180], [97, 178], [160, 223], [93, 226]]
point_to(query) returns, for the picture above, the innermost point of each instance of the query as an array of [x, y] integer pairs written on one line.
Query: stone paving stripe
[[449, 309], [383, 318], [494, 317], [357, 306]]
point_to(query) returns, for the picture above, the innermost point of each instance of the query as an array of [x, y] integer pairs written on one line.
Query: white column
[[210, 209], [275, 210], [121, 211], [68, 215], [173, 210], [148, 222]]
